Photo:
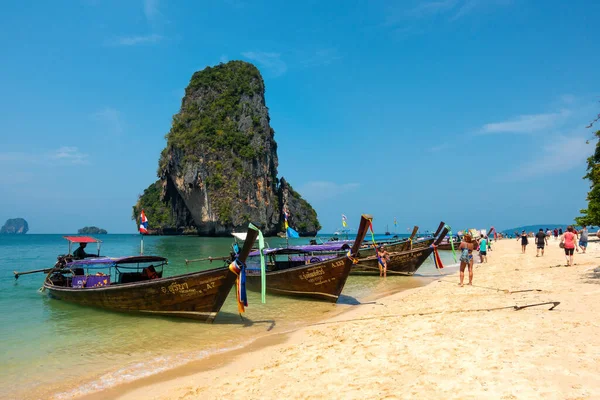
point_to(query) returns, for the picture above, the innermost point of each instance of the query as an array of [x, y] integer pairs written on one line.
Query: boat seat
[[129, 277]]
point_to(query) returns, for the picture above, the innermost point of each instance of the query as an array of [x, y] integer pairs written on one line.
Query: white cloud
[[438, 148], [68, 155], [322, 57], [452, 9], [135, 40], [151, 10], [324, 190], [270, 61], [562, 153], [527, 123], [111, 117], [433, 7]]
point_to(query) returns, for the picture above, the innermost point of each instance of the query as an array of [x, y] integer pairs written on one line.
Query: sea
[[53, 349]]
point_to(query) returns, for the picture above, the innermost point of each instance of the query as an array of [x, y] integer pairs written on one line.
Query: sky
[[469, 111]]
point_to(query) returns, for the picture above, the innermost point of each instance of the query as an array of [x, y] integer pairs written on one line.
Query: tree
[[591, 215]]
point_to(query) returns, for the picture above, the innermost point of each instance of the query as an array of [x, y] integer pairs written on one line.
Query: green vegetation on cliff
[[216, 127], [158, 212]]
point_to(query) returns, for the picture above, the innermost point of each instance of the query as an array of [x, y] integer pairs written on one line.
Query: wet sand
[[437, 341]]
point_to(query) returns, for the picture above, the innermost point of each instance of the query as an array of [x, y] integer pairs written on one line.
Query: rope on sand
[[515, 307]]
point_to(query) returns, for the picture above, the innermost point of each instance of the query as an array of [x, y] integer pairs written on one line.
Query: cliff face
[[219, 169], [15, 226]]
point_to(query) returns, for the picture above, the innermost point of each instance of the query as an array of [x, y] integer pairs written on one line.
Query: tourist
[[570, 244], [541, 239], [383, 257], [560, 231], [466, 258], [583, 239], [80, 254], [483, 243], [555, 233], [524, 241], [548, 233]]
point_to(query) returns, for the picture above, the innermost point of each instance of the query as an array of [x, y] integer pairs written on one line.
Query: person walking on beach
[[560, 232], [466, 258], [583, 239], [541, 239], [524, 241], [555, 233], [483, 244], [570, 244]]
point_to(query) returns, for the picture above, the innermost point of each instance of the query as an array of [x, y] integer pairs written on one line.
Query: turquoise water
[[52, 347]]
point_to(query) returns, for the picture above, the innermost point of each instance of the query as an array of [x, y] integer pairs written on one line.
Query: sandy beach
[[437, 341]]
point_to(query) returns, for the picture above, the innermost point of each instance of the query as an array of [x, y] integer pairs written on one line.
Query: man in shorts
[[541, 240]]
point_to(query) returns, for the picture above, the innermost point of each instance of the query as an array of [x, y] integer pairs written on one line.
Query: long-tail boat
[[133, 284], [403, 244], [307, 275], [400, 262]]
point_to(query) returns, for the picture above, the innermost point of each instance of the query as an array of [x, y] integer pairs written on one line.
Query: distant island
[[535, 228], [92, 230], [15, 226]]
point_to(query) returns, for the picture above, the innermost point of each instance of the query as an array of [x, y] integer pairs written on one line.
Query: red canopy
[[81, 239]]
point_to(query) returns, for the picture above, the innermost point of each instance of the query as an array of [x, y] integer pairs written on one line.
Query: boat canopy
[[114, 261], [310, 248], [82, 239], [240, 235]]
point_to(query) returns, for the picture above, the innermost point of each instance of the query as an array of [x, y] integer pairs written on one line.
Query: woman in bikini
[[466, 258]]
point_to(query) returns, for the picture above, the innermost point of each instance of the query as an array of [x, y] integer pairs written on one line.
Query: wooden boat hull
[[400, 263], [322, 281], [198, 295]]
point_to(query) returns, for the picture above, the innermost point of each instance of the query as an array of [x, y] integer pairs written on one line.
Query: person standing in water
[[541, 239], [583, 239], [569, 239], [483, 244], [466, 258], [524, 241]]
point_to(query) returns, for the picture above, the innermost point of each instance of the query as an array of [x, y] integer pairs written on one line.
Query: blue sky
[[470, 111]]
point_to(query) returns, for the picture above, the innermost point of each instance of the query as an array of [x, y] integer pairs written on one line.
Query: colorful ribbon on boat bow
[[451, 241], [239, 269], [263, 279], [380, 262], [436, 258]]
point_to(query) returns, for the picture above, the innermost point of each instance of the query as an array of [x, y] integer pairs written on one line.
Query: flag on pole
[[395, 222], [285, 216], [143, 223], [344, 221]]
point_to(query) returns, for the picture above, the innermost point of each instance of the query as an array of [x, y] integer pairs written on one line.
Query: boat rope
[[350, 256], [420, 314], [379, 261], [483, 287], [239, 269]]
